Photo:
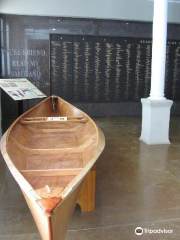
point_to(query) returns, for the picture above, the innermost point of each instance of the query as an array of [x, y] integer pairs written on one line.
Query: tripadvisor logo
[[139, 231]]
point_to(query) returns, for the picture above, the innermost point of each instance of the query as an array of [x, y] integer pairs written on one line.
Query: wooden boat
[[49, 151]]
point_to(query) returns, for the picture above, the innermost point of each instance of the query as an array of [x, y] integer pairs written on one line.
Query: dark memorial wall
[[101, 66], [100, 69], [108, 69]]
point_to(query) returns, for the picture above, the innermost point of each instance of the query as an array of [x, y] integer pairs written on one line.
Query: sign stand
[[20, 107], [20, 89]]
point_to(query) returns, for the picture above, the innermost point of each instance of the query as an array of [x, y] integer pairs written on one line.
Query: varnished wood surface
[[86, 199], [61, 216], [24, 122], [51, 172], [48, 204], [53, 130], [43, 222], [48, 191], [50, 161]]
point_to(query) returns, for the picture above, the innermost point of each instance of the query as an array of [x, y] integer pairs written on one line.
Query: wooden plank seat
[[67, 119], [51, 172], [78, 149], [45, 118], [54, 130]]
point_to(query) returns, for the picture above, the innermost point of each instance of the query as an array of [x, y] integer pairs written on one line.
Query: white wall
[[141, 10]]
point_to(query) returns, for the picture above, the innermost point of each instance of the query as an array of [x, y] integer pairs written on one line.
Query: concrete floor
[[137, 186]]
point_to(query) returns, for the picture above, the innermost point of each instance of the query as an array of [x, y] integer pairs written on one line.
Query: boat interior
[[50, 152]]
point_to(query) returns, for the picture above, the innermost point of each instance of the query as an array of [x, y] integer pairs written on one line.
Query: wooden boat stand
[[86, 199]]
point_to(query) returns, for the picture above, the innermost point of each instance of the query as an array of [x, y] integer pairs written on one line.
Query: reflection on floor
[[137, 186]]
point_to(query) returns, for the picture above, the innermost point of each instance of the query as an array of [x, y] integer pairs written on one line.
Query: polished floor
[[137, 186]]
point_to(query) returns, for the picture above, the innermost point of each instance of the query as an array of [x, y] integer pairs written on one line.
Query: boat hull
[[29, 162]]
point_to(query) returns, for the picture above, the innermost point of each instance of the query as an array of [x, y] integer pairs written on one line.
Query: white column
[[156, 108], [159, 49]]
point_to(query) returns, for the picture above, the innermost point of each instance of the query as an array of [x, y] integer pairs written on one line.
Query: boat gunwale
[[24, 184]]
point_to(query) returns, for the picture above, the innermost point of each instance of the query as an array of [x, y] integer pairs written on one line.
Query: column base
[[155, 121]]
